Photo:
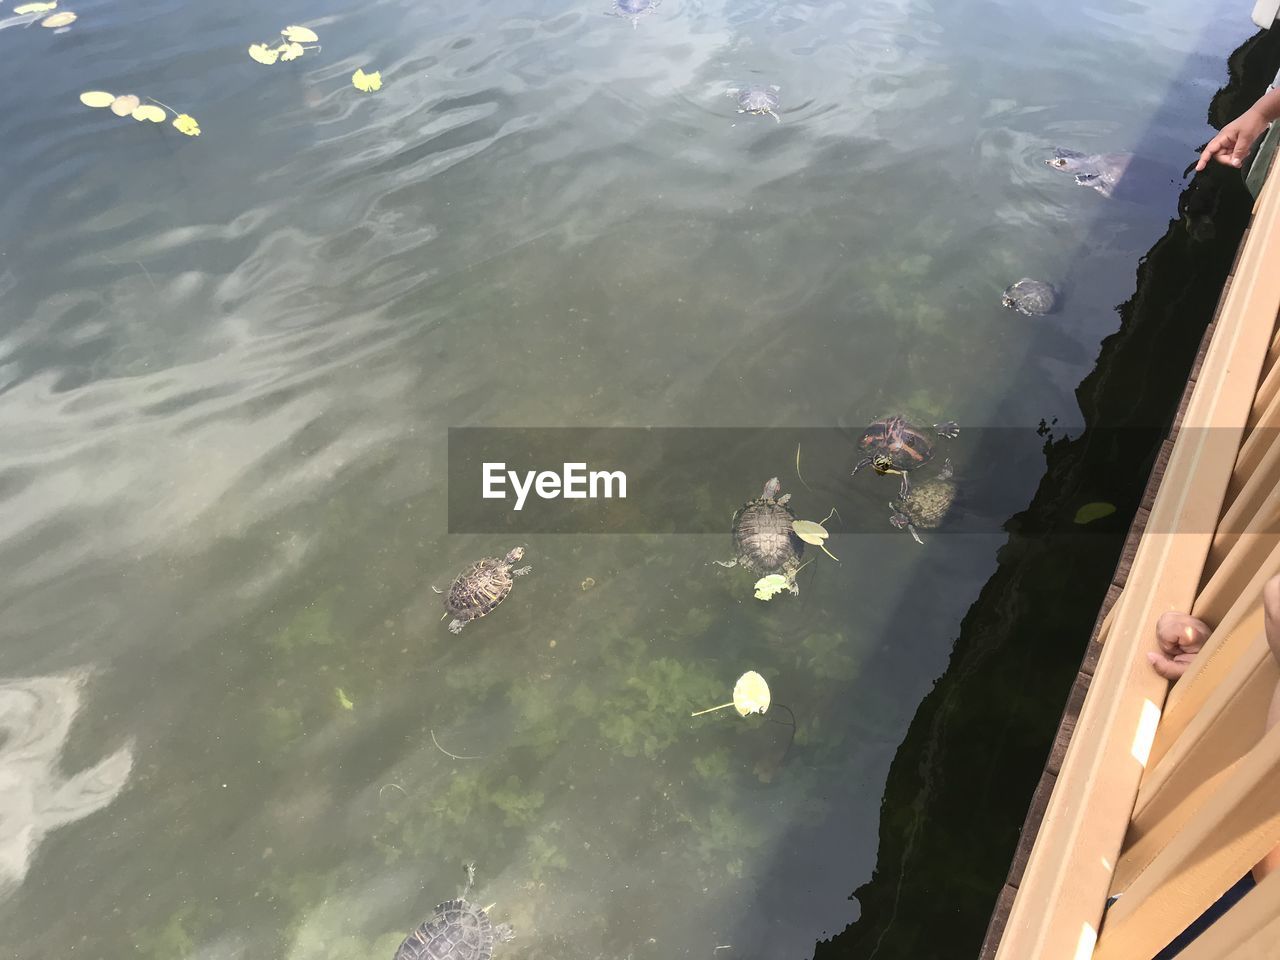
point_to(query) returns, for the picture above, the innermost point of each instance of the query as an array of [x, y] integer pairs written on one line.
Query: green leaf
[[769, 587], [343, 700], [1094, 511]]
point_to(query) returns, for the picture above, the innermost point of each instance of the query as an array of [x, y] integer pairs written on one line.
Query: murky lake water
[[228, 364]]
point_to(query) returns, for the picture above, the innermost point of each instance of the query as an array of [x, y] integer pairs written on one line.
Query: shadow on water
[[962, 779]]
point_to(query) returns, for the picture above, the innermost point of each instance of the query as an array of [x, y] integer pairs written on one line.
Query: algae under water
[[227, 366]]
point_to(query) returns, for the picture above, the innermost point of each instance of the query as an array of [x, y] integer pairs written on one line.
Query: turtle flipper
[[455, 626], [726, 563], [504, 932], [520, 572], [906, 485], [1088, 179], [911, 529], [864, 462], [947, 471], [948, 429]]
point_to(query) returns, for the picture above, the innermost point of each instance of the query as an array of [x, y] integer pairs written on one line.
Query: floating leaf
[[343, 700], [809, 531], [290, 51], [149, 112], [368, 82], [58, 20], [97, 98], [185, 123], [769, 587], [750, 694], [299, 34], [125, 105], [264, 54], [1094, 511], [35, 7]]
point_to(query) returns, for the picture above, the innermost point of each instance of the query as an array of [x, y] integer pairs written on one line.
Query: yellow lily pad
[[367, 82], [149, 112], [125, 105], [35, 8], [263, 54], [343, 700], [809, 531], [97, 98], [299, 35], [58, 20], [769, 587], [185, 123], [750, 694], [290, 51]]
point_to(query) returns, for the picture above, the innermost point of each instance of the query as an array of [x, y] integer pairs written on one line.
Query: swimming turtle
[[924, 506], [481, 587], [757, 99], [459, 930], [1101, 171], [763, 537], [1032, 297], [633, 9], [894, 445]]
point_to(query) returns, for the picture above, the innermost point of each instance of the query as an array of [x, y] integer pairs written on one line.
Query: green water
[[227, 367]]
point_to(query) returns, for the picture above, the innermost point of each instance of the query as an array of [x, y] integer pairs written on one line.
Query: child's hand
[[1232, 143], [1179, 638]]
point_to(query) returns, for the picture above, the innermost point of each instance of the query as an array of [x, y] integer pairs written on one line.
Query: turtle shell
[[458, 931], [758, 99], [927, 503], [906, 445], [1031, 297], [480, 588], [763, 537]]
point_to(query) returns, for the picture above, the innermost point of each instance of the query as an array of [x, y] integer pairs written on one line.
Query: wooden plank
[[999, 916]]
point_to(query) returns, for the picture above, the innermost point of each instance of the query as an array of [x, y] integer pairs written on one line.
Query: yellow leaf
[[810, 532], [290, 51], [125, 105], [185, 123], [769, 587], [343, 701], [750, 694], [35, 7], [263, 54], [97, 98], [299, 35], [149, 112], [368, 82], [58, 20]]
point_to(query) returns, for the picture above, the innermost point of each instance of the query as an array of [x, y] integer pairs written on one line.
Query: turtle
[[1101, 171], [459, 930], [926, 503], [633, 9], [1031, 297], [763, 537], [481, 587], [757, 99], [895, 446]]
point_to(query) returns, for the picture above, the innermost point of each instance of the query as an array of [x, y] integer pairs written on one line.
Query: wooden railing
[[1167, 797]]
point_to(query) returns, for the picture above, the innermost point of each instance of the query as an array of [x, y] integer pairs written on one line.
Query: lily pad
[[769, 587], [97, 98], [35, 8], [750, 694], [185, 123], [1094, 511], [264, 54], [299, 35], [149, 112], [58, 20], [367, 82], [125, 105], [810, 531], [290, 51]]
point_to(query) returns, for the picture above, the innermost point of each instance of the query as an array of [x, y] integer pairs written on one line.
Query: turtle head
[[882, 464], [515, 555], [1007, 301], [771, 489], [1066, 159], [504, 932]]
